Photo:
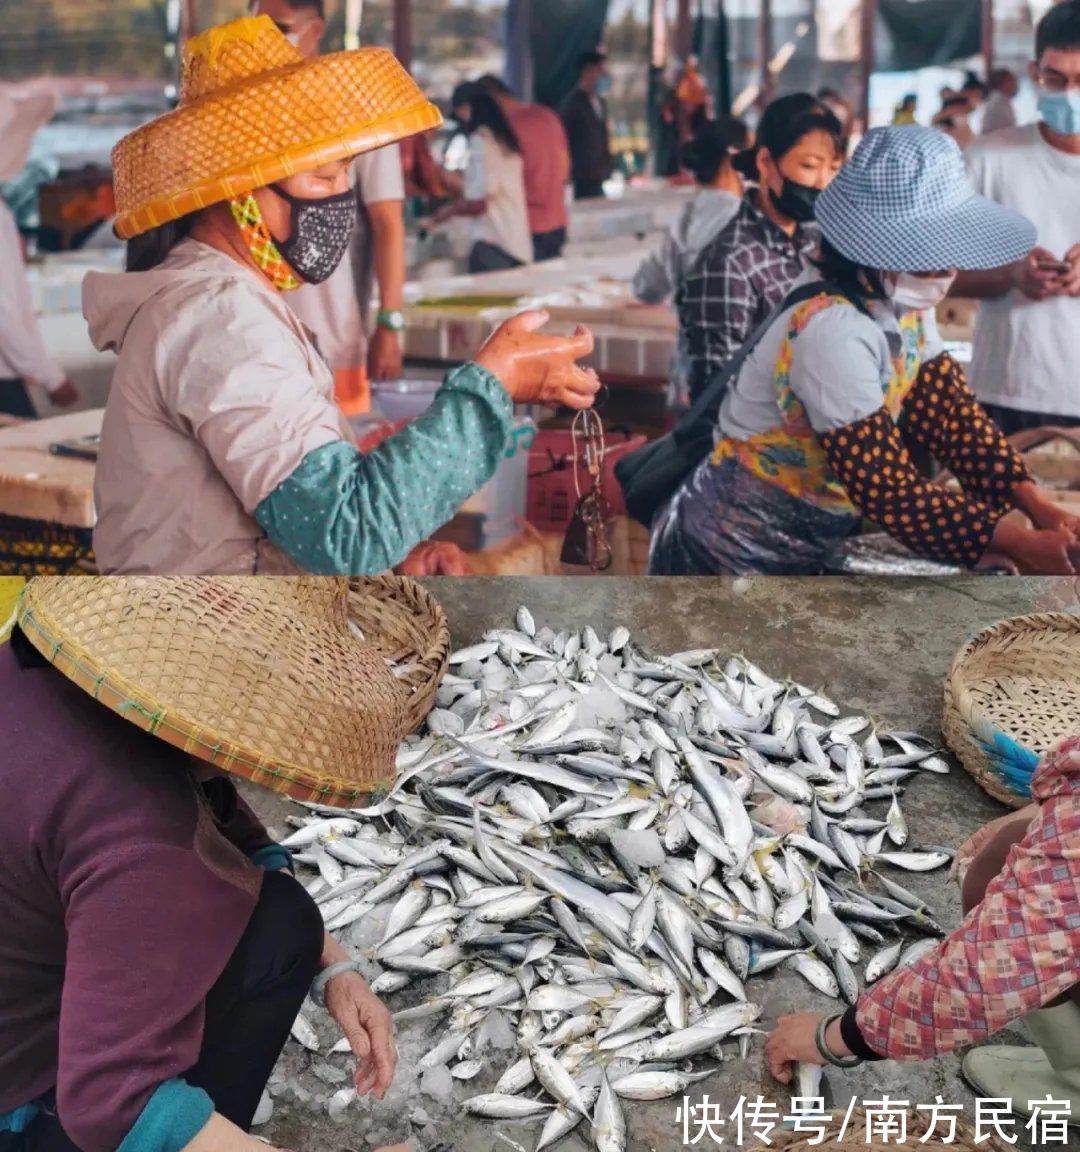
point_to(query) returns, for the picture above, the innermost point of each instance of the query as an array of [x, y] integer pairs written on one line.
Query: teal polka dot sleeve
[[344, 513]]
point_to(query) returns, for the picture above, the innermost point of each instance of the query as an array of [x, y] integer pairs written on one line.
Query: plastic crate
[[552, 494]]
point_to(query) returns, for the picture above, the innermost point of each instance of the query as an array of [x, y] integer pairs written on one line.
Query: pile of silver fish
[[607, 847]]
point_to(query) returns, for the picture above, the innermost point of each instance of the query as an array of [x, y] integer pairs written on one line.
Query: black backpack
[[652, 475]]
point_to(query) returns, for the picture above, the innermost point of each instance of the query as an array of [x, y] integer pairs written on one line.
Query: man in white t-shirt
[[338, 310], [1026, 363]]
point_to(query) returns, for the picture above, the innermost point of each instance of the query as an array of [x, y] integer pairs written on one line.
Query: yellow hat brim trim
[[152, 716]]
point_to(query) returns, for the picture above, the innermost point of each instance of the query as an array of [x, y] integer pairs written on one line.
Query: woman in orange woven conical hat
[[221, 448]]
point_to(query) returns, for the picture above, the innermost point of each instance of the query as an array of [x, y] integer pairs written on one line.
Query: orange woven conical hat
[[252, 111], [262, 676]]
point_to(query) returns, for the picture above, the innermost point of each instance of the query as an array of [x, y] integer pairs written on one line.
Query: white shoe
[[1052, 1067]]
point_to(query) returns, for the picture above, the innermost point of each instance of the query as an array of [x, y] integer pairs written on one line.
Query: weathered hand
[[536, 368], [385, 356], [434, 558], [1045, 513], [64, 396], [369, 1028], [793, 1042], [1046, 552]]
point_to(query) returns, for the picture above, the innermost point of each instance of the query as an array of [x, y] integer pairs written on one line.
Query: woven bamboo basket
[[407, 625], [852, 1132], [1021, 679]]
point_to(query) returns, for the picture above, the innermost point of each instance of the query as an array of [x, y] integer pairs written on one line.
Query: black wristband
[[853, 1037]]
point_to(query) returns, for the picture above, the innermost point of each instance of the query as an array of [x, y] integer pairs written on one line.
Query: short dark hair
[[1059, 28], [783, 124], [148, 250], [298, 6], [713, 143], [486, 113], [494, 85], [463, 94], [589, 59], [857, 283]]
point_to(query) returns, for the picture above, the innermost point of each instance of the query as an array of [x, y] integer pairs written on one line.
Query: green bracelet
[[827, 1054]]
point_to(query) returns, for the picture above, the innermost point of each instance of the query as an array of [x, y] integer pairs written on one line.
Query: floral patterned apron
[[791, 456]]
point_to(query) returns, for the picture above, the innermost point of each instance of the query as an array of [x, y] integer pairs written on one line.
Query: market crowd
[[806, 274]]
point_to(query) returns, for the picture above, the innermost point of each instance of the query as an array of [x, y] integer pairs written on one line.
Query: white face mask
[[917, 293]]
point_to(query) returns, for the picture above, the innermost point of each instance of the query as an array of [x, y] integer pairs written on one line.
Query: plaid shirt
[[1018, 950], [742, 276]]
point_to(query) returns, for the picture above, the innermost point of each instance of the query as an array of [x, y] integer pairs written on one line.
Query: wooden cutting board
[[37, 485]]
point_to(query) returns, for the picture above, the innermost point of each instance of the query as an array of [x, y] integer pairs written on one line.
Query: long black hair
[[783, 124], [486, 113], [147, 251], [855, 282], [712, 144]]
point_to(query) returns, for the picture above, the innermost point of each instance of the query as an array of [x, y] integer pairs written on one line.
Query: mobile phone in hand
[[1057, 267]]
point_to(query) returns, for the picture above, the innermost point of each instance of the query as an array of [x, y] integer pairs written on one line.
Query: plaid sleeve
[[1014, 953], [717, 310]]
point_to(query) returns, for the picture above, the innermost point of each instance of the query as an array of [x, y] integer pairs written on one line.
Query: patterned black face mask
[[319, 235]]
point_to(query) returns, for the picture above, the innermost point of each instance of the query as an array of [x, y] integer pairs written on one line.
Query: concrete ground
[[883, 647]]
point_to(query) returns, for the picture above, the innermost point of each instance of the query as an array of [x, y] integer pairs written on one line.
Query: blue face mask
[[1061, 112], [603, 86]]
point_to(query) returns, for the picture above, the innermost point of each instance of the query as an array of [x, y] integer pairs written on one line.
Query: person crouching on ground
[[1014, 957], [156, 950]]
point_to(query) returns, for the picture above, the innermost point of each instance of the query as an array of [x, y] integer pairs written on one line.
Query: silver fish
[[814, 972], [497, 1106], [597, 876], [915, 861], [883, 962], [564, 1120], [609, 1123], [657, 1085], [557, 1082]]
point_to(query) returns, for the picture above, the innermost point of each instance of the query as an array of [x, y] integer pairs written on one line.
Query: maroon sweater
[[124, 889]]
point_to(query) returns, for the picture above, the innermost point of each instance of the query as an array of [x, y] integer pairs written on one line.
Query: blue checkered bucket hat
[[904, 203]]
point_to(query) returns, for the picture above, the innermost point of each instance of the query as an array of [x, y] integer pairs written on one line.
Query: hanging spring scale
[[586, 543]]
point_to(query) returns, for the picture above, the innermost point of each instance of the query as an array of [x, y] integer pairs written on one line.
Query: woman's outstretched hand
[[538, 368], [434, 558]]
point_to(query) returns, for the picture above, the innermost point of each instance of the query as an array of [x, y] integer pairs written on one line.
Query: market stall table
[[46, 501], [47, 511], [448, 318]]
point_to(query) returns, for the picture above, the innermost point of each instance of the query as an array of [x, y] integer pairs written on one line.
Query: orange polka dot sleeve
[[942, 414], [871, 461]]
